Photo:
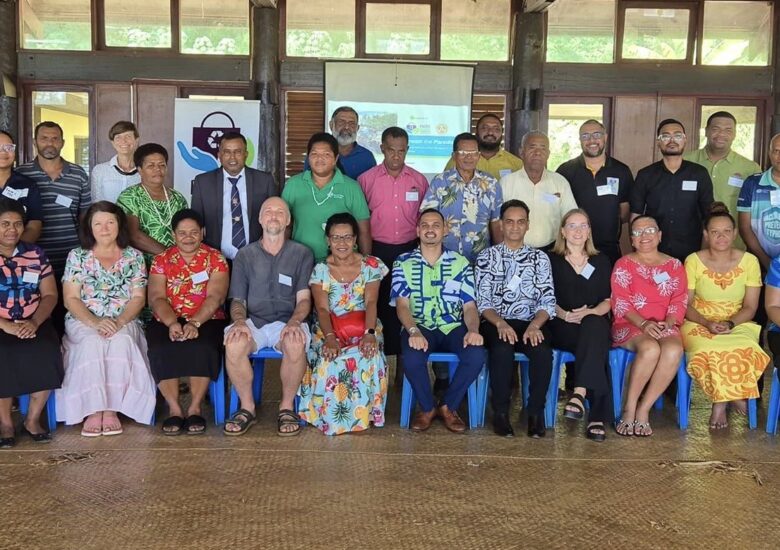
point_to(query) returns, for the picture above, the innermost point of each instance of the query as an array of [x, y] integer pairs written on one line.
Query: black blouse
[[572, 290]]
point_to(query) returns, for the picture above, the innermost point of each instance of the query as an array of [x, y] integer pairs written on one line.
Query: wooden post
[[265, 74], [8, 68], [776, 91], [527, 70]]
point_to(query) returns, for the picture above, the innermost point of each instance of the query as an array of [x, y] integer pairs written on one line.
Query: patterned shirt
[[20, 279], [436, 293], [105, 292], [760, 197], [64, 200], [514, 283], [773, 280], [468, 208], [186, 283]]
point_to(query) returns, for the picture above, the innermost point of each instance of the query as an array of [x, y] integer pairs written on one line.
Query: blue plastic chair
[[773, 410], [51, 409], [408, 400]]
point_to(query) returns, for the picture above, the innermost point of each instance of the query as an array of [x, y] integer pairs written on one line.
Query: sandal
[[594, 435], [577, 402], [643, 429], [173, 425], [285, 419], [43, 437], [194, 425], [241, 418], [625, 428]]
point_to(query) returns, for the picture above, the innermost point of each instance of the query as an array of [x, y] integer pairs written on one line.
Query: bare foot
[[718, 418], [93, 425], [111, 423], [739, 406]]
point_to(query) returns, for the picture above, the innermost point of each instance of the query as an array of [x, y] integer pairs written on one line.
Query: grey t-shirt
[[267, 283]]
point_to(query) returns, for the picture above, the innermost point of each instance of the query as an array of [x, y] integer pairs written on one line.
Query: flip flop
[[88, 433], [624, 428], [173, 422], [641, 427], [197, 422]]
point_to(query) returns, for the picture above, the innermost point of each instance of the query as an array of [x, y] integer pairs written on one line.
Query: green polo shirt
[[727, 176], [499, 165], [311, 207]]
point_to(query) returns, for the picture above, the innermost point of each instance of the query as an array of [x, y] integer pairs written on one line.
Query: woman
[[110, 178], [581, 325], [188, 284], [106, 367], [721, 341], [649, 299], [150, 205], [15, 186], [31, 361], [346, 389]]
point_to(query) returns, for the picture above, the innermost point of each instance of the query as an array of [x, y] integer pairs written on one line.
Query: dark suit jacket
[[207, 200]]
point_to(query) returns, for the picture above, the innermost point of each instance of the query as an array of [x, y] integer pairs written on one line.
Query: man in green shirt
[[493, 159], [318, 193], [727, 168]]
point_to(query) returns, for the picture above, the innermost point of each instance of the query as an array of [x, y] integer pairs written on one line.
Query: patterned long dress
[[726, 366], [348, 393]]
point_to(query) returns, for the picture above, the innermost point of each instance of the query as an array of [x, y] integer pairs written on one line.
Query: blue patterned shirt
[[760, 197]]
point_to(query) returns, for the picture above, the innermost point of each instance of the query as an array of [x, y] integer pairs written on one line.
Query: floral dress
[[349, 392]]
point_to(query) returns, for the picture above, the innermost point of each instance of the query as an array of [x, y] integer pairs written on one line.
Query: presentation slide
[[431, 102]]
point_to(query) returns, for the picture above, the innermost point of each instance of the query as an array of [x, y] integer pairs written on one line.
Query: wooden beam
[[265, 3], [265, 73], [527, 73], [535, 6]]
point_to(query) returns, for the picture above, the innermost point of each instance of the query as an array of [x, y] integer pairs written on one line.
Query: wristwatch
[[194, 323], [413, 331], [370, 331]]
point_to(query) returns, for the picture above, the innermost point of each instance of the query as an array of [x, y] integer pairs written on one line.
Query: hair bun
[[719, 209]]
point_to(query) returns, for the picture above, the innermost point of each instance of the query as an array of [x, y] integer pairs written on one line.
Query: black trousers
[[589, 342], [391, 326], [502, 364]]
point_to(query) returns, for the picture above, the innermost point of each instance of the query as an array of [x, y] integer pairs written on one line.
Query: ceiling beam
[[265, 3], [530, 6]]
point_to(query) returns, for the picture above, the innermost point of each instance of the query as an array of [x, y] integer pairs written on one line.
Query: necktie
[[239, 238]]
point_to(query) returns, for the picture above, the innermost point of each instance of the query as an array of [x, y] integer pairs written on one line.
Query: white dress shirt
[[228, 250], [107, 181]]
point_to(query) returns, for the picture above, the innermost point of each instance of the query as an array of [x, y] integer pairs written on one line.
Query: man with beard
[[354, 159], [600, 185], [675, 192], [493, 159], [271, 302]]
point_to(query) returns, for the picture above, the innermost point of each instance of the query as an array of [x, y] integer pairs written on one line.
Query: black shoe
[[440, 387], [502, 426], [536, 427]]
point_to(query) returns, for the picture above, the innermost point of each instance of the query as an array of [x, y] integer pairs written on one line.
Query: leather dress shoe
[[422, 420], [536, 426], [502, 426], [451, 420]]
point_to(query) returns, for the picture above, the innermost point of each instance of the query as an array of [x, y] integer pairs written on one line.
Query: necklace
[[326, 199], [164, 222], [577, 265], [339, 275]]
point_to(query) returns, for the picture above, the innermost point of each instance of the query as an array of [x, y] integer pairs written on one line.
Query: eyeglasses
[[591, 135], [341, 238], [666, 138], [576, 226], [467, 153], [645, 231], [7, 148]]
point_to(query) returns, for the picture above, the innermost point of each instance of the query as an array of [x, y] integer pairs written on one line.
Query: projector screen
[[431, 102]]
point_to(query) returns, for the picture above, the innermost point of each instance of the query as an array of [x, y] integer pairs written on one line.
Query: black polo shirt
[[677, 201], [600, 196], [24, 190]]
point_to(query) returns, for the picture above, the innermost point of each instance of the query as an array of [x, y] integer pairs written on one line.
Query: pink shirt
[[394, 203]]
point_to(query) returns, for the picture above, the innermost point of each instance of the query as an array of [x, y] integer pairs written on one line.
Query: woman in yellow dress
[[721, 341]]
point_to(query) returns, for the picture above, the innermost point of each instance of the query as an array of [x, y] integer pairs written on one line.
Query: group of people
[[107, 302]]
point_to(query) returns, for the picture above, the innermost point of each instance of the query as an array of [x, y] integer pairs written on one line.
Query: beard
[[593, 155], [346, 138], [672, 153], [487, 145]]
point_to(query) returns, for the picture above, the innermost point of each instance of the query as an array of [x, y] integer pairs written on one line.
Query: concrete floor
[[391, 488]]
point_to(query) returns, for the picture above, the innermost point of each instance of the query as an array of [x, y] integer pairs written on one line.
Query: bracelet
[[413, 330], [330, 334]]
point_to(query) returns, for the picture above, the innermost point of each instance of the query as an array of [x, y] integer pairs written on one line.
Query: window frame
[[605, 101], [695, 22], [763, 120], [772, 35]]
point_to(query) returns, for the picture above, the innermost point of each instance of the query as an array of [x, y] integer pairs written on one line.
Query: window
[[71, 111], [138, 24], [398, 29], [563, 127], [747, 118], [214, 27], [306, 21], [737, 33], [656, 33], [581, 31], [56, 25], [475, 30]]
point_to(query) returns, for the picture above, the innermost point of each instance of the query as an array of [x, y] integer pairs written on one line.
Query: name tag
[[412, 196], [661, 277], [30, 277], [62, 200], [504, 172], [614, 183], [736, 181], [323, 226], [513, 283], [285, 280], [200, 277], [13, 194], [602, 190], [549, 197], [587, 271], [774, 198], [689, 185]]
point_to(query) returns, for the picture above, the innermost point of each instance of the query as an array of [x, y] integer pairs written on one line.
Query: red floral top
[[185, 284]]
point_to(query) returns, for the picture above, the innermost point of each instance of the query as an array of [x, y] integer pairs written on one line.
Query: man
[[394, 192], [65, 194], [674, 191], [728, 169], [354, 159], [316, 194], [270, 303], [547, 193], [229, 197], [515, 296], [759, 210], [433, 290], [493, 159], [468, 199], [600, 184]]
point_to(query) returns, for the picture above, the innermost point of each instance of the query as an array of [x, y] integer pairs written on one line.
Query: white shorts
[[268, 336]]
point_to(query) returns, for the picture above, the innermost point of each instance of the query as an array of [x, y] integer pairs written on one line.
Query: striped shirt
[[63, 200]]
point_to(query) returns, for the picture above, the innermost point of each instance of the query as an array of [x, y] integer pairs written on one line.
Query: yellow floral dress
[[726, 366]]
